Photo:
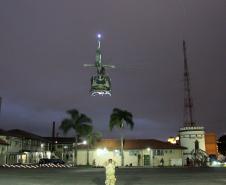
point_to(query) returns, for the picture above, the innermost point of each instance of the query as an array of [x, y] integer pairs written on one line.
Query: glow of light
[[98, 35], [101, 151], [84, 142], [48, 154], [216, 163], [173, 140], [148, 149], [65, 147]]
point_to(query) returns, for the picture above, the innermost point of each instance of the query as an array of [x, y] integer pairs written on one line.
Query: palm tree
[[92, 138], [119, 118], [77, 122]]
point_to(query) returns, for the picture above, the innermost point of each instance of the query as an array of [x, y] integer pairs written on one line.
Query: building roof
[[111, 144], [3, 132], [62, 140], [2, 142], [131, 144], [24, 134]]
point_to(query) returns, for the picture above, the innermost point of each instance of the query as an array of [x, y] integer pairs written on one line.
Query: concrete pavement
[[125, 176]]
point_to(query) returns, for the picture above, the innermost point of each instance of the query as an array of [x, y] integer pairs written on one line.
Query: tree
[[119, 118], [222, 145], [92, 138], [77, 122]]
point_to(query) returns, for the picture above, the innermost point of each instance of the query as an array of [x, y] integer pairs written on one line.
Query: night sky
[[44, 44]]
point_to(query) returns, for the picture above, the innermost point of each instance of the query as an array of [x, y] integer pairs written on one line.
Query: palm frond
[[119, 118], [74, 113], [129, 114], [129, 122], [115, 122], [84, 129], [66, 125], [84, 119], [116, 110]]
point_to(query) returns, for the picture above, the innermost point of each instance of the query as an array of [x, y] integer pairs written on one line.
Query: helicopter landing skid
[[100, 93]]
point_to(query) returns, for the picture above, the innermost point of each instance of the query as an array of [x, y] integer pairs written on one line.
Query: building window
[[158, 152], [133, 152]]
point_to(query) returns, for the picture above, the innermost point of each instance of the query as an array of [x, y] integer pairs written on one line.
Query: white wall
[[172, 157], [3, 152], [130, 157], [188, 136]]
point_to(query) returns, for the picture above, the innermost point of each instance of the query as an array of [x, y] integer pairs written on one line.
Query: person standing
[[110, 172], [162, 162]]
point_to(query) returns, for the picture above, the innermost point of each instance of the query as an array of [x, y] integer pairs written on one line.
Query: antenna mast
[[188, 105]]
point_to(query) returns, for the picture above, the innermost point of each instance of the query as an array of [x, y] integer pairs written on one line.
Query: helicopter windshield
[[100, 85]]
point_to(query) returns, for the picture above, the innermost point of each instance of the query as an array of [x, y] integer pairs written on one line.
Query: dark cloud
[[44, 44]]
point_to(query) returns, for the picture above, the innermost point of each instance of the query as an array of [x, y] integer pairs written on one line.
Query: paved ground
[[134, 176]]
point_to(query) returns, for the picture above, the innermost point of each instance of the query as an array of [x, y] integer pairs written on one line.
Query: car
[[44, 161], [51, 161], [57, 161]]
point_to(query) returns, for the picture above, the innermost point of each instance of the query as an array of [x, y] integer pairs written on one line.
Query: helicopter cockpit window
[[100, 85]]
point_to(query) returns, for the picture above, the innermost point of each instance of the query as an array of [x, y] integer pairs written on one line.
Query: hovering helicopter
[[101, 82]]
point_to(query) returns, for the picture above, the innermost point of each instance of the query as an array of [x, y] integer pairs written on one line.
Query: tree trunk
[[122, 151], [75, 151], [87, 155]]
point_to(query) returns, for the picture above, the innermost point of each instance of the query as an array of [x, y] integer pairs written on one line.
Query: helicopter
[[101, 82]]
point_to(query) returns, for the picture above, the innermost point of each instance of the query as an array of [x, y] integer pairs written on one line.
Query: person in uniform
[[110, 172]]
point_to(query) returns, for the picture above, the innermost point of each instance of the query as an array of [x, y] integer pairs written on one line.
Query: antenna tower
[[188, 105]]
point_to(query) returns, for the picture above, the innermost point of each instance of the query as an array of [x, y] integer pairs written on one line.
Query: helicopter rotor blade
[[110, 66], [89, 65]]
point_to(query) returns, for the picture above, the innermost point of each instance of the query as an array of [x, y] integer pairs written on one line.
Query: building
[[23, 147], [137, 152], [3, 151], [18, 146], [3, 147], [211, 144], [62, 148], [193, 138]]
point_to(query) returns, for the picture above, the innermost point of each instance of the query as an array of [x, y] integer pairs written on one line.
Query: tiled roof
[[24, 134], [150, 143], [2, 142], [130, 144]]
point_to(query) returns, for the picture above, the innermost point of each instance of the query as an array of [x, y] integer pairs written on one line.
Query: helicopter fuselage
[[101, 82]]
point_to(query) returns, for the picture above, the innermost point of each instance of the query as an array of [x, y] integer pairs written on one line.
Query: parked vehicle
[[57, 161], [51, 161]]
